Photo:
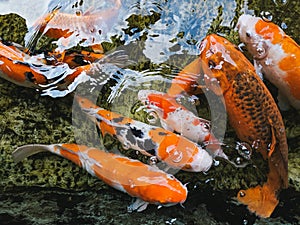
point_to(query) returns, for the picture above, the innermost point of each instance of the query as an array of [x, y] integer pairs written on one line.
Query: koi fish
[[175, 117], [148, 184], [187, 80], [252, 112], [29, 71], [175, 150], [72, 25], [276, 55], [55, 81]]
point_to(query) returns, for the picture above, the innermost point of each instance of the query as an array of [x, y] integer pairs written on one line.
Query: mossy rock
[[13, 28]]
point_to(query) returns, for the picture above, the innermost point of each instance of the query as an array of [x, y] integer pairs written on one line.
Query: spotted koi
[[276, 56], [148, 184], [175, 150], [30, 71], [253, 114], [55, 81], [175, 117]]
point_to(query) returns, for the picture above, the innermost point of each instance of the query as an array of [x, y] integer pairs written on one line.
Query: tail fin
[[27, 150]]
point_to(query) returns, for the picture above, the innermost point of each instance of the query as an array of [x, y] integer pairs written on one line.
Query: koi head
[[221, 62], [258, 35], [260, 200], [161, 103], [177, 192]]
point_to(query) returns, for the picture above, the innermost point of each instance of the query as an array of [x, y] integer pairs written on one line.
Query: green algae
[[36, 120], [11, 23]]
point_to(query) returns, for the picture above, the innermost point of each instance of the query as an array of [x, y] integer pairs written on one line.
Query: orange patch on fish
[[269, 31], [276, 56]]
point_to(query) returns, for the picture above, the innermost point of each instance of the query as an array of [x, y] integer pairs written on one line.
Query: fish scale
[[245, 100]]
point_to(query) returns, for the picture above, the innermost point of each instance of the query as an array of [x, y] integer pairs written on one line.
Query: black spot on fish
[[29, 76], [37, 65], [162, 133], [118, 120], [7, 43], [130, 137], [137, 132], [79, 59], [22, 63], [148, 145]]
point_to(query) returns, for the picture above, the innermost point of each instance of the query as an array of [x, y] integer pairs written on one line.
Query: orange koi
[[149, 184], [175, 150], [175, 117], [276, 56], [253, 114], [186, 81]]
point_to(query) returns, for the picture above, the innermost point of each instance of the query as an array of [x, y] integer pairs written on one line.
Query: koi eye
[[206, 126], [248, 34], [242, 194], [211, 64], [170, 176]]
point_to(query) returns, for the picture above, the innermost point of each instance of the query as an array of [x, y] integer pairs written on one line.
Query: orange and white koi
[[276, 55], [72, 25], [175, 117], [175, 150], [252, 112], [149, 184]]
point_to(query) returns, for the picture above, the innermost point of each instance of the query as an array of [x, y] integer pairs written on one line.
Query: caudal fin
[[27, 150]]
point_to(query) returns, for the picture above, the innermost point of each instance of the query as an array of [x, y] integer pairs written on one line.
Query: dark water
[[160, 37]]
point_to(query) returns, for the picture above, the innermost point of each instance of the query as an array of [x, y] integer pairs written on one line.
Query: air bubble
[[260, 51], [153, 160], [178, 156], [283, 25], [280, 2], [126, 145], [216, 162], [266, 16], [152, 117], [244, 150], [238, 160]]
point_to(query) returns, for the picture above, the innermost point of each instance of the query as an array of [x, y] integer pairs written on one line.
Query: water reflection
[[30, 10]]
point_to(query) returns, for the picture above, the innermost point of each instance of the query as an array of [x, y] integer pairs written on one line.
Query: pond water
[[147, 43]]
